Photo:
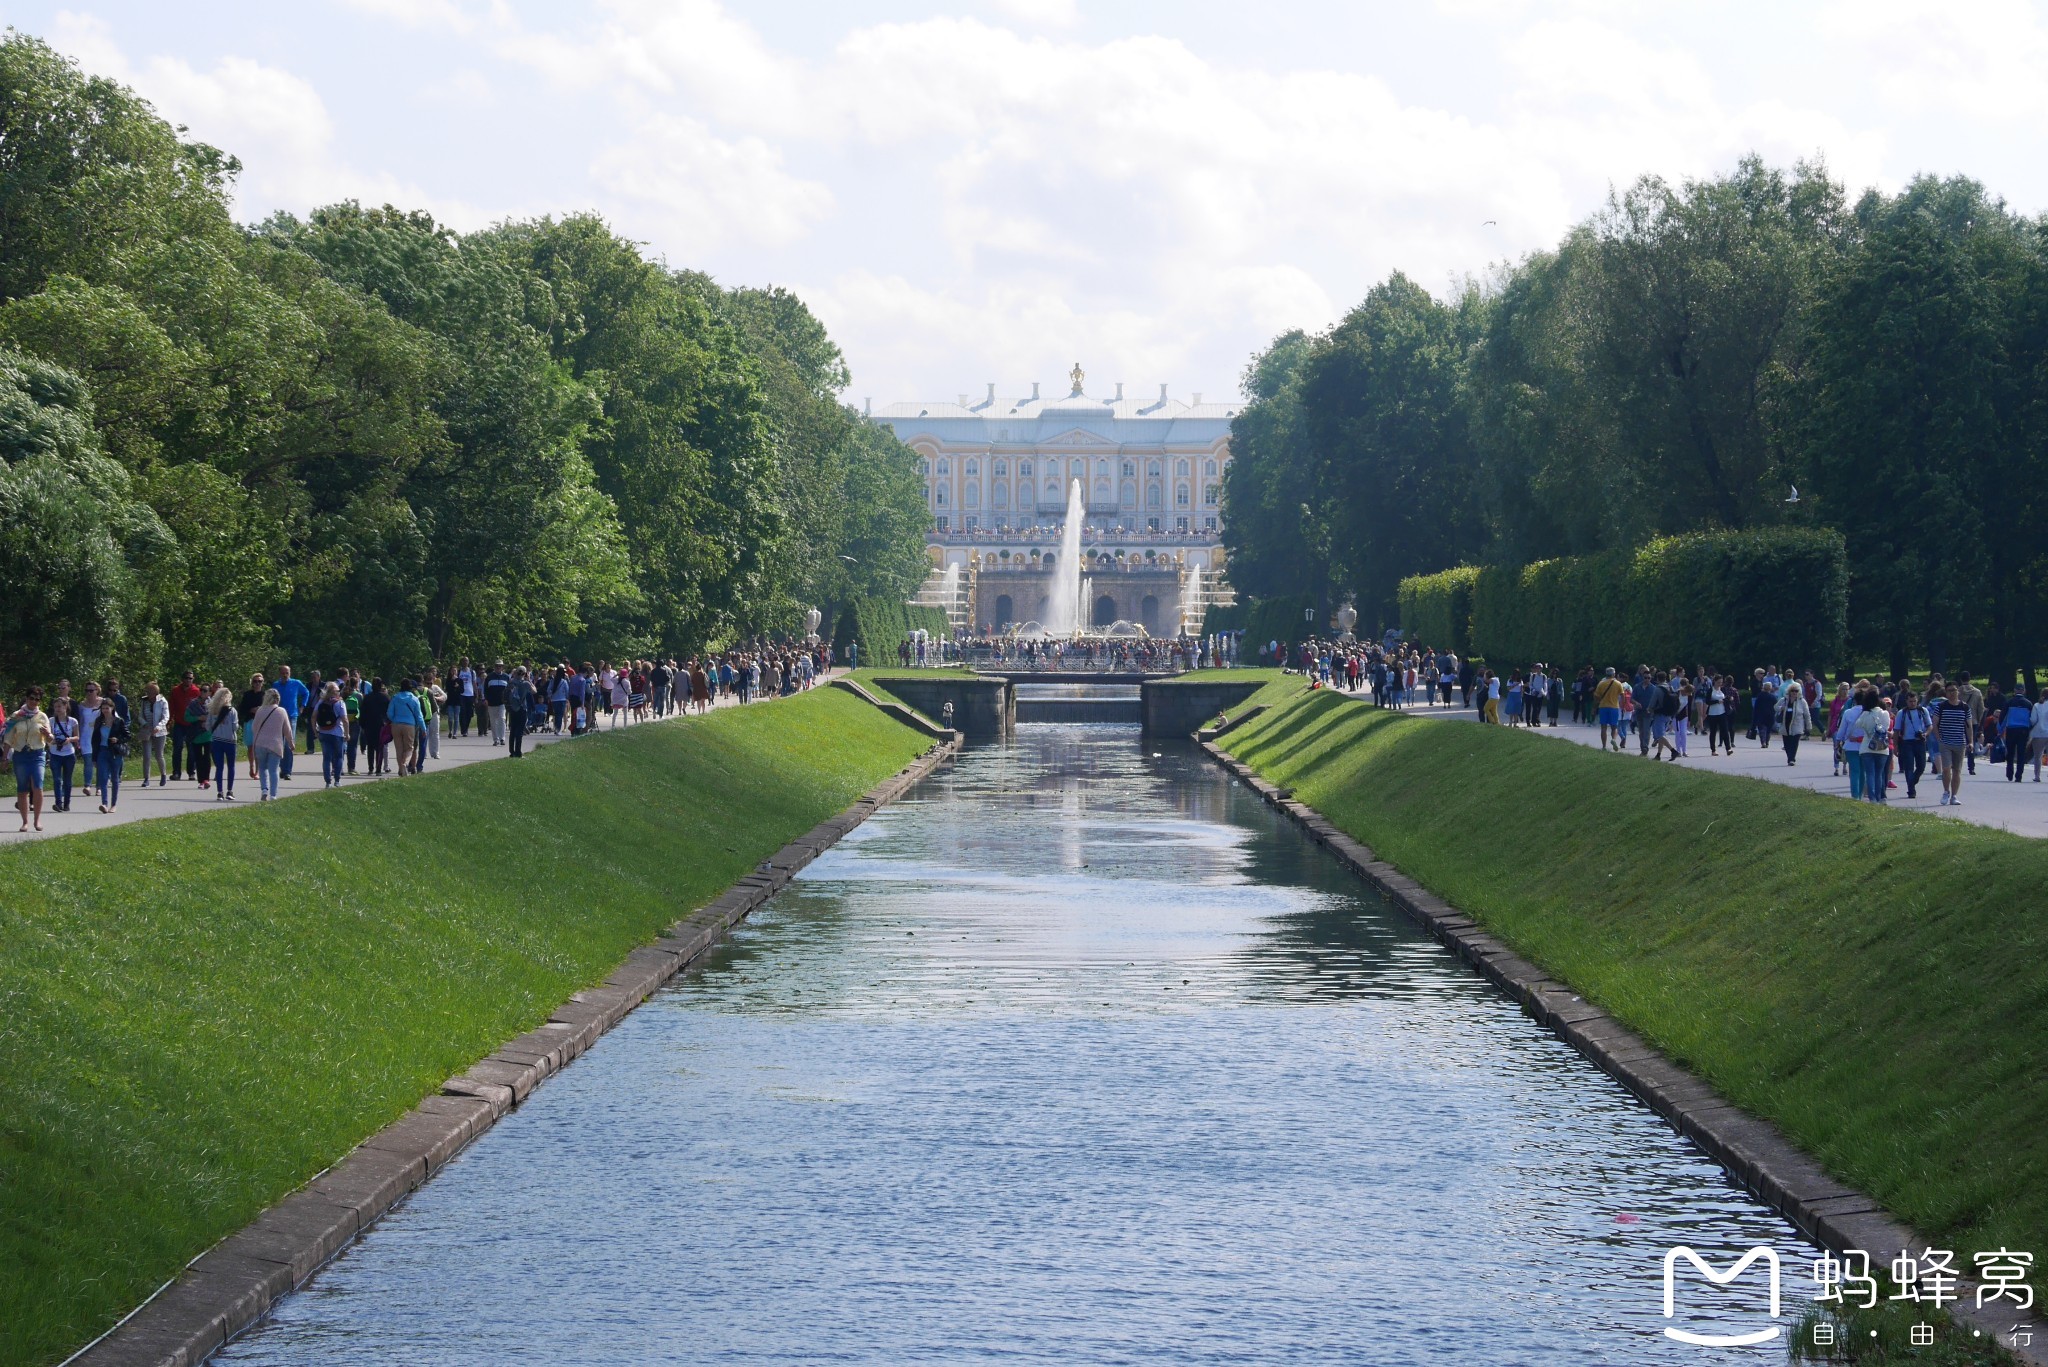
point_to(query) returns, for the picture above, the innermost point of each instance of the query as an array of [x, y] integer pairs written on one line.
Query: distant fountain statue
[[811, 619]]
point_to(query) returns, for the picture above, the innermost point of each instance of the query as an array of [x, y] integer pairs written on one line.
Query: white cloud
[[1039, 13], [708, 190], [271, 119], [1987, 58]]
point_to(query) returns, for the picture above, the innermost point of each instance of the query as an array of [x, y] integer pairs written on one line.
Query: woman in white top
[[152, 725], [1874, 724], [270, 735]]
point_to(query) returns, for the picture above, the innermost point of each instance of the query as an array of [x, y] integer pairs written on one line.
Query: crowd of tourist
[[1878, 732], [1147, 654], [202, 731]]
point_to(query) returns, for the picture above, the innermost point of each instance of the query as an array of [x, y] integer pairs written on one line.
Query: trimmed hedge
[[1436, 609], [1732, 599], [881, 625]]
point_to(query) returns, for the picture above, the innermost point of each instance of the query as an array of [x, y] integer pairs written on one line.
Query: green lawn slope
[[1871, 980], [199, 1013]]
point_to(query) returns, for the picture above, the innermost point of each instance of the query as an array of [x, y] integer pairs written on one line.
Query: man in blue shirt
[[292, 697], [1649, 699]]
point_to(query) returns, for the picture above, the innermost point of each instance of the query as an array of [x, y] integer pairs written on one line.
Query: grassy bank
[[1868, 979], [199, 1013]]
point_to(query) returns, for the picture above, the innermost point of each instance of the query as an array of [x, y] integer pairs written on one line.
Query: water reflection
[[1078, 1055]]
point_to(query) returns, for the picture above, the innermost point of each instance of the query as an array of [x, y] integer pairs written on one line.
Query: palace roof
[[1029, 420]]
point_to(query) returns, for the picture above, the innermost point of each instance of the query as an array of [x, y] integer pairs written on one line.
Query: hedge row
[[881, 625], [1732, 599], [1436, 609]]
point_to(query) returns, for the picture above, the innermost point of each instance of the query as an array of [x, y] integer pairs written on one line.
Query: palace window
[[1102, 468], [1001, 469], [1152, 496], [999, 497], [973, 468], [1208, 524], [1153, 469], [942, 524], [972, 523], [1130, 494], [1180, 524], [1209, 467], [940, 495], [945, 468], [1023, 467], [1181, 469], [970, 497], [1210, 493], [1130, 468], [924, 467], [1180, 495]]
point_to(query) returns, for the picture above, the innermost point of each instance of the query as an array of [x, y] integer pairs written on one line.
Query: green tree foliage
[[69, 528], [359, 437], [1674, 368]]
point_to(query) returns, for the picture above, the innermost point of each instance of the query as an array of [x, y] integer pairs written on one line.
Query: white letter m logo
[[1719, 1279]]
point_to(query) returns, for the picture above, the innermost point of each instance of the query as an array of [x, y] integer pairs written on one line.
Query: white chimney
[[1034, 391], [963, 401], [867, 406], [1198, 398], [1162, 393], [1119, 392], [991, 395]]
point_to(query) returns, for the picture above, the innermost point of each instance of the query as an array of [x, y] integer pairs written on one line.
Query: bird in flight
[[1794, 496], [1488, 224]]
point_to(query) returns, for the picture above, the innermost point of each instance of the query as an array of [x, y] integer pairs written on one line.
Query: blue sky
[[990, 191]]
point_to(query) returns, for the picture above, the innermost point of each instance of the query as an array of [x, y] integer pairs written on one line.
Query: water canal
[[1078, 1055]]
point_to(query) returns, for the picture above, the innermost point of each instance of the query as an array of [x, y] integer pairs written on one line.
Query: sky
[[992, 190]]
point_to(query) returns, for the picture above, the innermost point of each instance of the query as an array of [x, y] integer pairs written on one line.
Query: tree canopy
[[358, 436], [1678, 364]]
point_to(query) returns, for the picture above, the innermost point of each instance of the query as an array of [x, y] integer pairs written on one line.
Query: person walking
[[28, 737], [1794, 719], [1952, 730], [63, 753], [1876, 727], [1607, 706], [199, 732], [520, 697], [497, 687], [330, 727], [292, 696], [1910, 726], [1849, 740], [2019, 729], [110, 750], [373, 719], [250, 704], [270, 741], [223, 729], [181, 695], [86, 712], [406, 720], [152, 730]]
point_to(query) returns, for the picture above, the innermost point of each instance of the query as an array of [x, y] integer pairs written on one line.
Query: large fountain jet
[[1063, 605]]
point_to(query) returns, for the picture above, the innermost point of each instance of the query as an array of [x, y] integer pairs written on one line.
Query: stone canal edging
[[234, 1283], [1832, 1214]]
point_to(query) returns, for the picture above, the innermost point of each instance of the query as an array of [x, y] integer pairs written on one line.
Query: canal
[[1080, 1054]]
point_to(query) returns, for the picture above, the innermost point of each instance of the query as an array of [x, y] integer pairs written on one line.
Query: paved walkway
[[183, 795], [1988, 800]]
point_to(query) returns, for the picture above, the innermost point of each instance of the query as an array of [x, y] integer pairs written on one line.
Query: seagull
[[1795, 495], [1489, 224]]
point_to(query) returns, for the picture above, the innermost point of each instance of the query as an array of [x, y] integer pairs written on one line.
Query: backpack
[[324, 716]]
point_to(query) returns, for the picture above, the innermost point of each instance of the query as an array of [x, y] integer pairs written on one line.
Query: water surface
[[1080, 1054]]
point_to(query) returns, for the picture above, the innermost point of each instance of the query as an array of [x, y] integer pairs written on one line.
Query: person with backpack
[[1909, 740], [152, 729], [1874, 725], [330, 727]]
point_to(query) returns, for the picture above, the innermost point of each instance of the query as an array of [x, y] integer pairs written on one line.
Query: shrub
[[881, 625], [1733, 599]]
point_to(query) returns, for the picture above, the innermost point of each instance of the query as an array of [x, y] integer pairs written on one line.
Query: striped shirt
[[1952, 722]]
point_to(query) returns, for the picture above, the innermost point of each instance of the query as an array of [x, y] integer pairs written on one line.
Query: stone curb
[[235, 1283], [1832, 1215]]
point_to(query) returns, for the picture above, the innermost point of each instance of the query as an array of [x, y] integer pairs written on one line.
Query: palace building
[[998, 472]]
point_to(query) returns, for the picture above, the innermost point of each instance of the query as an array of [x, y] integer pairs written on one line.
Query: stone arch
[[1005, 611], [1105, 611], [1148, 613]]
